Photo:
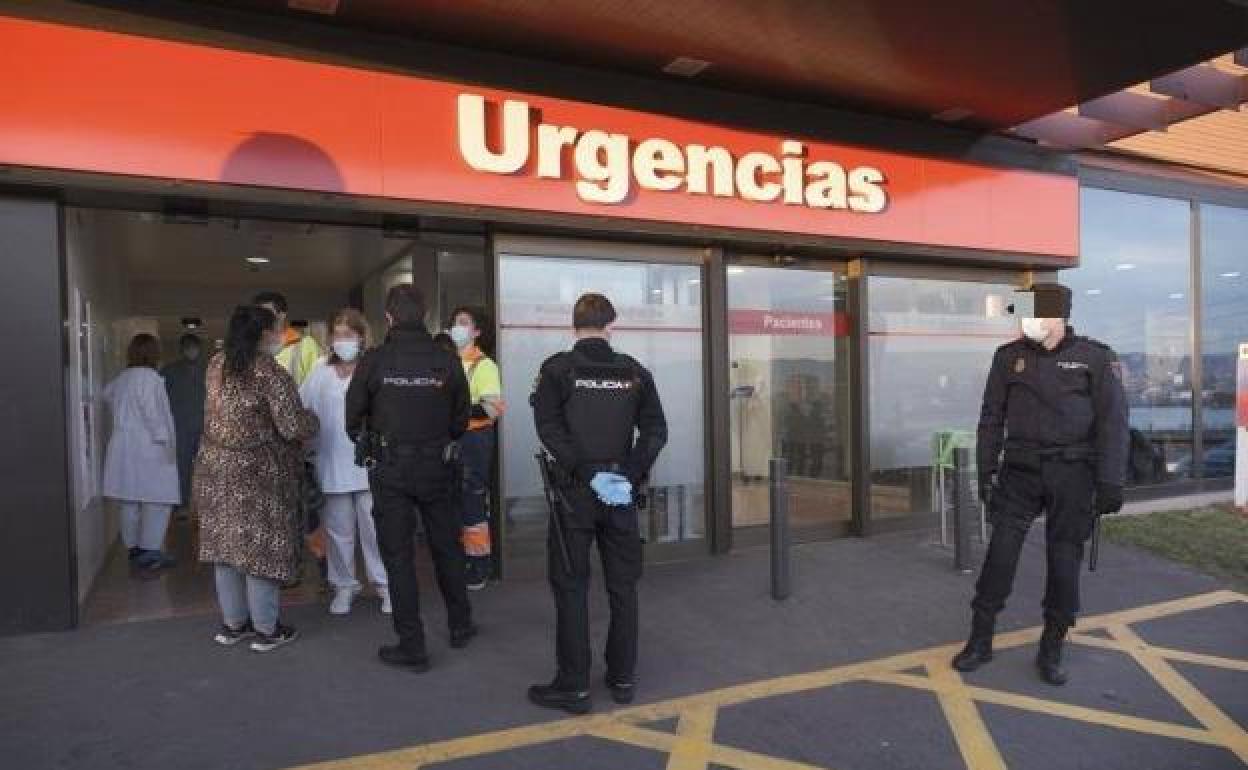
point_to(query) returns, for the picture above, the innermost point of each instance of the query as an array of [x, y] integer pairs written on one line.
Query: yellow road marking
[[622, 725], [1054, 708], [696, 731], [1215, 661], [1219, 724], [974, 741]]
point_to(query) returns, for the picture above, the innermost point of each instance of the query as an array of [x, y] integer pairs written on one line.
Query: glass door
[[659, 305], [788, 343]]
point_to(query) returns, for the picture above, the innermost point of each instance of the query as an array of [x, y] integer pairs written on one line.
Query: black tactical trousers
[[619, 546], [404, 488], [1063, 490]]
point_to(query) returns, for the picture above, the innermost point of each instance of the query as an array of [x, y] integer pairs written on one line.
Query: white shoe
[[341, 604], [384, 593]]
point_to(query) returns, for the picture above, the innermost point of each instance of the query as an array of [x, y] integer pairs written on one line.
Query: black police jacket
[[409, 392], [624, 415], [1068, 397]]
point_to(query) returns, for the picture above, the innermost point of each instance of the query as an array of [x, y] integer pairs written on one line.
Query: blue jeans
[[243, 596], [478, 454]]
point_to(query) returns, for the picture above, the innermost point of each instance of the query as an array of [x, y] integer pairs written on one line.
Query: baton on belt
[[554, 498]]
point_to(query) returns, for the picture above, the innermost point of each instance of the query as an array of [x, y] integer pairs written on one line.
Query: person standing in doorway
[[407, 405], [299, 352], [486, 394], [599, 417], [246, 481], [348, 502], [140, 463], [184, 383], [1054, 402]]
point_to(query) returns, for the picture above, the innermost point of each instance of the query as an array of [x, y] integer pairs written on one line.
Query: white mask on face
[[347, 350], [461, 336], [1035, 329]]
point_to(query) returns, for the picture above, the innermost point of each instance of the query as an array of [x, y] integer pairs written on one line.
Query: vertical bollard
[[962, 508], [779, 468]]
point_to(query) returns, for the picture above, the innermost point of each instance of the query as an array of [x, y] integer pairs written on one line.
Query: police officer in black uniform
[[598, 415], [1054, 402], [409, 402]]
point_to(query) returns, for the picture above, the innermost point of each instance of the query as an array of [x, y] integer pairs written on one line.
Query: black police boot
[[552, 696], [460, 637], [622, 690], [978, 649], [1049, 656], [395, 655]]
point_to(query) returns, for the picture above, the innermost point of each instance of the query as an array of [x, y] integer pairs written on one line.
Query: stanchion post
[[963, 509], [780, 537]]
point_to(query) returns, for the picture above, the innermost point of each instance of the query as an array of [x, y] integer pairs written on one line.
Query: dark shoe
[[977, 652], [622, 692], [134, 553], [477, 574], [551, 697], [1049, 656], [395, 655], [460, 637], [229, 637], [281, 636]]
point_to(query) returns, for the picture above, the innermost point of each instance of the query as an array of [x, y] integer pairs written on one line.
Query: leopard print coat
[[246, 481]]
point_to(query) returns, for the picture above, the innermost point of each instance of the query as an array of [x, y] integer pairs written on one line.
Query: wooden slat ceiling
[[990, 64]]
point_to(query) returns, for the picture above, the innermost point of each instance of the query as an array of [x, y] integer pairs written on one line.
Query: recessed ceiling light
[[1094, 292], [1232, 274], [1177, 295], [258, 260], [736, 270], [1124, 266], [686, 66]]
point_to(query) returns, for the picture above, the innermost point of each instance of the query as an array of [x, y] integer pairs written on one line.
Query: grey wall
[[37, 564]]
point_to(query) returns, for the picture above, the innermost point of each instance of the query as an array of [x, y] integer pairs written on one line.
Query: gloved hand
[[612, 488], [1108, 499]]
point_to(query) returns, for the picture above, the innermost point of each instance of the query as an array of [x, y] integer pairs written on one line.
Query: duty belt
[[1069, 454]]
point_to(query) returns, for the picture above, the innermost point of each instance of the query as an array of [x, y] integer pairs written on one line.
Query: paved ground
[[850, 673]]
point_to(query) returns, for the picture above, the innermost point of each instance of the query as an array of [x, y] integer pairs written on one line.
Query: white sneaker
[[384, 593], [341, 604]]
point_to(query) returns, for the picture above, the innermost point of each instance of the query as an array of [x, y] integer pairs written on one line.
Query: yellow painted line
[[1053, 708], [1219, 724], [696, 733], [1183, 656], [726, 756], [1096, 641], [979, 751], [546, 732]]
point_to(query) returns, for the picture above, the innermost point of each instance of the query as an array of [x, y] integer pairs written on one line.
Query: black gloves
[[1108, 498]]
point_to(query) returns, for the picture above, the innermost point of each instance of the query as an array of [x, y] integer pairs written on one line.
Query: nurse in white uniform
[[348, 503], [140, 464]]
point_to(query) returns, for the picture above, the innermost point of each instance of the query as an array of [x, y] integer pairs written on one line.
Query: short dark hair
[[593, 311], [274, 298], [481, 320], [144, 350], [406, 305]]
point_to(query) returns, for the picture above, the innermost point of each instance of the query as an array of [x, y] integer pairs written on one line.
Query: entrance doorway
[[169, 275]]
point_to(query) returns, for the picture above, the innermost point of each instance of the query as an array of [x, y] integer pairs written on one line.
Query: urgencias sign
[[607, 165]]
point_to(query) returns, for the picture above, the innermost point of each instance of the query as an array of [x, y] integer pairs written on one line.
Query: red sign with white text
[[100, 101]]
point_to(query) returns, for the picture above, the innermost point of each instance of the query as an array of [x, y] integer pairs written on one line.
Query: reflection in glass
[[930, 345], [788, 336], [660, 324], [1132, 292], [1224, 299]]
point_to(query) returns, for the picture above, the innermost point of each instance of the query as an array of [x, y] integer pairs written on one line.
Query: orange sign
[[107, 102]]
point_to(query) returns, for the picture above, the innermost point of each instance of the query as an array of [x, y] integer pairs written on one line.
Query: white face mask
[[1035, 329], [461, 336], [347, 350]]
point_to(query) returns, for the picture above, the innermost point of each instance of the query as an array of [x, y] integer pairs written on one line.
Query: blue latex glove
[[612, 488]]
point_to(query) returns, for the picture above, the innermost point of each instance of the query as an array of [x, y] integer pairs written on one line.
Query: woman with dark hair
[[140, 464], [246, 480], [468, 324]]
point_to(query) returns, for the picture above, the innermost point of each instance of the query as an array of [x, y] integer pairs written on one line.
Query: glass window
[[788, 337], [930, 345], [660, 324], [1132, 292], [1224, 325]]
